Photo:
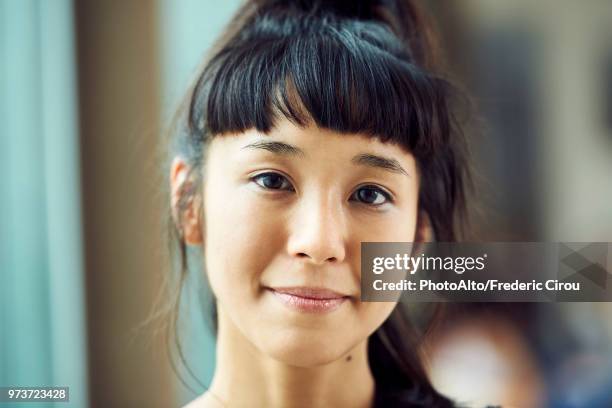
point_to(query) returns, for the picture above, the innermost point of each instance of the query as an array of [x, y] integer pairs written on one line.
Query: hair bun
[[347, 8]]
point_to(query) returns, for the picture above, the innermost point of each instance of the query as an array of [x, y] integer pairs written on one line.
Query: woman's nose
[[318, 231]]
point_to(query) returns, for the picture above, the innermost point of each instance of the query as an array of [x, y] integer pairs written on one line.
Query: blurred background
[[86, 88]]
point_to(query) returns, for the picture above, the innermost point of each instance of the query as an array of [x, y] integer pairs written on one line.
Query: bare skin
[[246, 377], [293, 214]]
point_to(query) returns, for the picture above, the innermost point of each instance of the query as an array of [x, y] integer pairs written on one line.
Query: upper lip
[[310, 292]]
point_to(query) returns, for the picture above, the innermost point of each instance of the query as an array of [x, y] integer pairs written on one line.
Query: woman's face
[[284, 217]]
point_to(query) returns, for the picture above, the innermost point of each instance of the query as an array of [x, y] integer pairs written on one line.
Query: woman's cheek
[[244, 234], [376, 313]]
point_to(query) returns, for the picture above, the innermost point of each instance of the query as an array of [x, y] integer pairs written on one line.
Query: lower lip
[[309, 305]]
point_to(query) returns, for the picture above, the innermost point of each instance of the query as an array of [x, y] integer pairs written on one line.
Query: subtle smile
[[309, 300]]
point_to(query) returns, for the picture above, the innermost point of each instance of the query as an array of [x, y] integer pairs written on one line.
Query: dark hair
[[366, 67]]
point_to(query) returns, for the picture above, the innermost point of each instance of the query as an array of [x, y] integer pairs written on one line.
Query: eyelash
[[388, 199]]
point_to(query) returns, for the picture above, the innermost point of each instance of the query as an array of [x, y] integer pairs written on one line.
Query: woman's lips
[[309, 300]]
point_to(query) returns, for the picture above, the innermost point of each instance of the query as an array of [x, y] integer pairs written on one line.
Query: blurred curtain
[[42, 327]]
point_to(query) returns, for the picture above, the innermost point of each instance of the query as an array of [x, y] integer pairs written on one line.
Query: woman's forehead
[[288, 139]]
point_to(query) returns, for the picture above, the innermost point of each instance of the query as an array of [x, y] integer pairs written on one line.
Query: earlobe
[[185, 204], [424, 230], [192, 225]]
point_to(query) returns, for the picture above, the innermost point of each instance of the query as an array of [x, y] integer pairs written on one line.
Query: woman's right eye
[[272, 181]]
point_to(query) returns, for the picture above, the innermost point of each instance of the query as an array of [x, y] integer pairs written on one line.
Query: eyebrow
[[373, 160], [276, 147], [365, 159]]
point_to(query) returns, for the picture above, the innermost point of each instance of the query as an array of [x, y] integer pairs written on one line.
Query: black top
[[409, 398]]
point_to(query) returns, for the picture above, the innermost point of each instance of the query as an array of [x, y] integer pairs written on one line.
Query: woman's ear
[[185, 203], [424, 230]]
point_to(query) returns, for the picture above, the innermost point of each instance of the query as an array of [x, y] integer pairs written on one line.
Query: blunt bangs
[[344, 75]]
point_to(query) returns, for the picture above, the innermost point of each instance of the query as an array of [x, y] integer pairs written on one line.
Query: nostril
[[303, 255]]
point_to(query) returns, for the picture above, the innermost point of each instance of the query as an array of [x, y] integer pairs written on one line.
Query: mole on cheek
[[349, 358]]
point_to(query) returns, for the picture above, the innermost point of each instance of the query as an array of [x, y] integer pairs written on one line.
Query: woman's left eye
[[371, 195], [272, 181]]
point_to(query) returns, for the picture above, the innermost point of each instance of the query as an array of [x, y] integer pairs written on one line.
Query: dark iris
[[370, 195], [271, 180]]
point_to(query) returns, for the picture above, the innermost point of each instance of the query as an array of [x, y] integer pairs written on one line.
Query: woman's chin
[[305, 351], [305, 359]]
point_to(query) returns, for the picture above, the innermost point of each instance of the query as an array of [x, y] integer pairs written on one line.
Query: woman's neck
[[244, 376]]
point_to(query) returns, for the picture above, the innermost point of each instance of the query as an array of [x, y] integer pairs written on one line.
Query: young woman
[[313, 127]]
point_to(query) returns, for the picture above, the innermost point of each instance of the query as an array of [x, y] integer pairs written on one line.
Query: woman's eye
[[272, 181], [371, 195]]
